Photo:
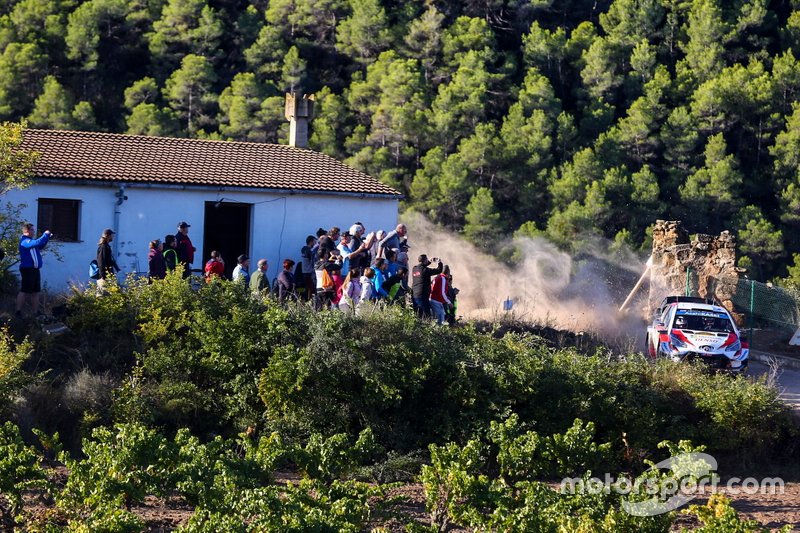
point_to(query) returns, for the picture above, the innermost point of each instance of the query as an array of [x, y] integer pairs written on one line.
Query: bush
[[19, 470], [12, 356]]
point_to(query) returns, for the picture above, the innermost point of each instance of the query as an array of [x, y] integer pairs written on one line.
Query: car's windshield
[[702, 321]]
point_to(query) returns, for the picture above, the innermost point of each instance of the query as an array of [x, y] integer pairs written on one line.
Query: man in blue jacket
[[30, 262]]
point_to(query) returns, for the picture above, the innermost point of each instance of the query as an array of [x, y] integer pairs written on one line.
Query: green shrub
[[717, 516], [19, 470], [461, 489], [12, 356]]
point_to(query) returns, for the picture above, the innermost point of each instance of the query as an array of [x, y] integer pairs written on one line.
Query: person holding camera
[[421, 284], [30, 255]]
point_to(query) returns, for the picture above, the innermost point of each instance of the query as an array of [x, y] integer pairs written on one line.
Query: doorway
[[226, 230]]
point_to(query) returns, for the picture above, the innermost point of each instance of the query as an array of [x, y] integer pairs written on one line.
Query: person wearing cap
[[156, 267], [106, 263], [30, 263], [185, 248], [241, 274]]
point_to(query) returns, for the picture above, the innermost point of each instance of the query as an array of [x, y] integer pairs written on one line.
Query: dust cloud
[[548, 287]]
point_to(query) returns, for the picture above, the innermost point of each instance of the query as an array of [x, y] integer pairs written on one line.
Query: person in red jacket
[[439, 299], [185, 248], [215, 267]]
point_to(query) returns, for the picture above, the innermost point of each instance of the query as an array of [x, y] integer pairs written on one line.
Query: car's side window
[[665, 316]]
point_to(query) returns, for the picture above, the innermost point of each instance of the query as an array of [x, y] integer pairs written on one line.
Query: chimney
[[298, 113]]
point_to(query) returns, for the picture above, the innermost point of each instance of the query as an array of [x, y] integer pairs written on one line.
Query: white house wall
[[151, 212]]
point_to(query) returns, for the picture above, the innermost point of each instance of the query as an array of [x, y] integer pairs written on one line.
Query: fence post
[[688, 270], [752, 310]]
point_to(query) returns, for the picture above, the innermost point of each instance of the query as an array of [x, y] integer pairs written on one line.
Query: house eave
[[217, 189]]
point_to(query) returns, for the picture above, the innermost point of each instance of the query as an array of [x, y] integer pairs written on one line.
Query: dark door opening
[[227, 230]]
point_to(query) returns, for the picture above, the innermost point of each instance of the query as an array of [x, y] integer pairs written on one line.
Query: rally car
[[687, 328]]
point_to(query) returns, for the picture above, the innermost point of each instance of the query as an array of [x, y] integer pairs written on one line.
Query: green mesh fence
[[759, 305]]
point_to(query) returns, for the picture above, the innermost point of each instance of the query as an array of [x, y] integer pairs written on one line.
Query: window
[[59, 216]]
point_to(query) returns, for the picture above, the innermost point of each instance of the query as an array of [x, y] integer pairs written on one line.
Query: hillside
[[528, 116]]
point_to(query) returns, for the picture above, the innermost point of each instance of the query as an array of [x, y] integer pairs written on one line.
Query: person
[[170, 253], [30, 264], [259, 282], [439, 300], [360, 255], [396, 286], [351, 290], [372, 241], [241, 273], [392, 240], [105, 258], [345, 251], [327, 243], [452, 294], [156, 267], [286, 281], [326, 287], [184, 248], [379, 279], [307, 256], [421, 285], [366, 288], [215, 267]]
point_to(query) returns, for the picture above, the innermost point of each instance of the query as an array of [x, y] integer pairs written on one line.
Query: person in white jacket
[[351, 291], [367, 288]]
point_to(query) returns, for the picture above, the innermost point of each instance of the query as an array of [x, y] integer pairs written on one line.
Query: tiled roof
[[137, 158]]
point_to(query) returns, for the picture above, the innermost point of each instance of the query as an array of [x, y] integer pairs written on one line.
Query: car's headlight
[[735, 347], [676, 342]]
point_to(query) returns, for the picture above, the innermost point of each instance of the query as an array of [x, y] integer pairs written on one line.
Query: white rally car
[[687, 328]]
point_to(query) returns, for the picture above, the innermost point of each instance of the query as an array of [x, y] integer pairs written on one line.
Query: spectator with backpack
[[106, 263]]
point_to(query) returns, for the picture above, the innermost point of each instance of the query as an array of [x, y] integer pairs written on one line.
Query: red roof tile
[[137, 158]]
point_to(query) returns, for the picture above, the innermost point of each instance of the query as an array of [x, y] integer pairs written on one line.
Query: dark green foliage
[[689, 104], [218, 361]]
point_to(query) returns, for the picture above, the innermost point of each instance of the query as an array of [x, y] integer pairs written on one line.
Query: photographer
[[421, 284]]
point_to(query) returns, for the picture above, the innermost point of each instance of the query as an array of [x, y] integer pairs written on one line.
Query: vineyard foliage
[[165, 391], [523, 117]]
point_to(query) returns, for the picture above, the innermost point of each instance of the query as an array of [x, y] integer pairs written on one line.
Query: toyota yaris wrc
[[688, 328]]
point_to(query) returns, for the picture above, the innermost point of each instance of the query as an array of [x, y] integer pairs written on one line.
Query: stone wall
[[709, 261]]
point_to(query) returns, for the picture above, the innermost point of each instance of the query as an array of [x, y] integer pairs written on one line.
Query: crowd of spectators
[[337, 270]]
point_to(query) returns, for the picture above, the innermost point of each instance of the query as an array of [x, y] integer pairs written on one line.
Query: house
[[258, 199]]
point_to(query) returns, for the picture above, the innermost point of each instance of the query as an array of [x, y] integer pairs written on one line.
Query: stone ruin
[[708, 262]]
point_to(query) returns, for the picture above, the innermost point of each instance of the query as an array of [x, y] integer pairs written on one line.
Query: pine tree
[[189, 92], [482, 226], [53, 108], [364, 34]]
